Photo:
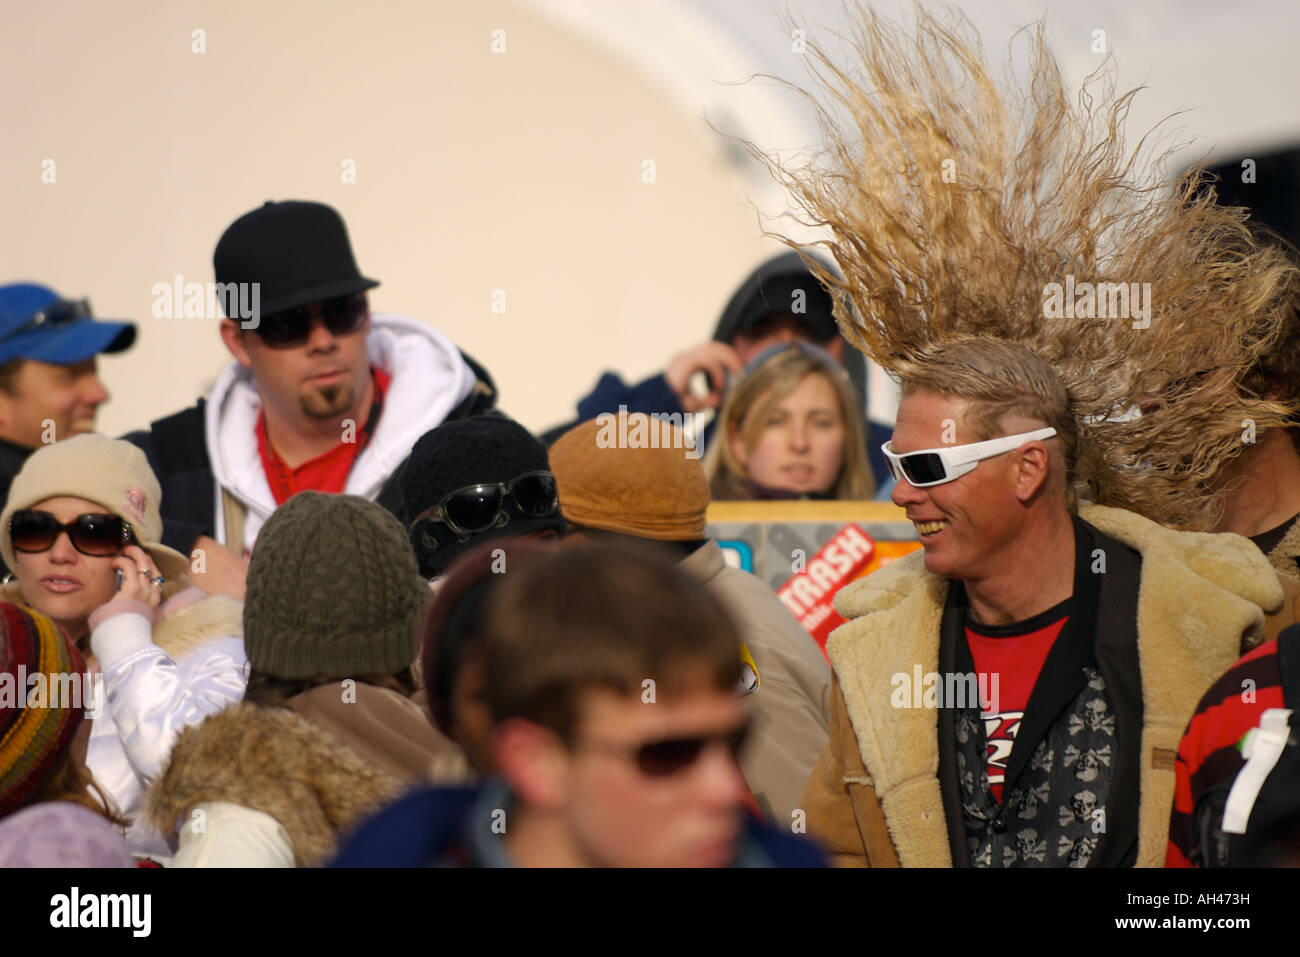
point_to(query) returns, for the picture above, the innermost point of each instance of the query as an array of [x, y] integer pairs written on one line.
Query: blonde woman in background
[[789, 429]]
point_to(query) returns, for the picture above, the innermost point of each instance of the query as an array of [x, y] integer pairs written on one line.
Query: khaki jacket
[[390, 731], [791, 705], [874, 797]]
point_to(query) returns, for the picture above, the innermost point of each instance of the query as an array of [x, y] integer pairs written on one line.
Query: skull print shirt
[[1070, 783], [1007, 660]]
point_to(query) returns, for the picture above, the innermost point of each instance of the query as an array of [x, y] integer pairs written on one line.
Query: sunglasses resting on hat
[[936, 466], [477, 508], [58, 313], [292, 327], [99, 535]]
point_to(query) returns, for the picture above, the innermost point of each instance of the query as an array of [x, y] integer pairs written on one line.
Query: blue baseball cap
[[37, 323]]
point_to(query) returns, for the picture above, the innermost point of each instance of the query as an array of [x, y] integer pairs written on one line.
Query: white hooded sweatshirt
[[429, 379]]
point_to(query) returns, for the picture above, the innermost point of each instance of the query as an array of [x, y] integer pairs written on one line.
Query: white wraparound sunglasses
[[937, 466]]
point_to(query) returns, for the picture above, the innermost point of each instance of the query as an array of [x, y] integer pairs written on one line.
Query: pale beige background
[[474, 172], [478, 171]]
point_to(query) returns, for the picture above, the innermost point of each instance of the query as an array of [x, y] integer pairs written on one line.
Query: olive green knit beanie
[[333, 590]]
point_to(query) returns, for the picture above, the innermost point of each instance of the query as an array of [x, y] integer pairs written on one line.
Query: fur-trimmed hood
[[1200, 594], [271, 760], [182, 628]]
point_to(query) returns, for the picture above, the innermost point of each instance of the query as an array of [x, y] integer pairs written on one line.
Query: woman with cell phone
[[82, 531]]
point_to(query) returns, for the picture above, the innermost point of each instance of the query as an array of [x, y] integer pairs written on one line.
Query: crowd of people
[[345, 611]]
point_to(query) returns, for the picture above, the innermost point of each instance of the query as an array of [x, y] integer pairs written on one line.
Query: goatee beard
[[327, 401]]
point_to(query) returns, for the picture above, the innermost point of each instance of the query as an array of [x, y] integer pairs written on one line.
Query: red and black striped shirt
[[1207, 754]]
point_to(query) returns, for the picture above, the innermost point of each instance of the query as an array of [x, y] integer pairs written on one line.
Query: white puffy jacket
[[159, 673]]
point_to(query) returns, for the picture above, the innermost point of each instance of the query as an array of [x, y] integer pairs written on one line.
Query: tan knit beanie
[[113, 473]]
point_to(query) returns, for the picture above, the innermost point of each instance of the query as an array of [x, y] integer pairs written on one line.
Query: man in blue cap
[[49, 386]]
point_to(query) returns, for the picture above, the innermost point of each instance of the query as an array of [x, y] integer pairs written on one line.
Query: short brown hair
[[589, 617], [9, 375], [999, 378], [72, 781]]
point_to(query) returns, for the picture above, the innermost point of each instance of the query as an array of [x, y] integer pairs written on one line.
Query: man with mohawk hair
[[955, 213]]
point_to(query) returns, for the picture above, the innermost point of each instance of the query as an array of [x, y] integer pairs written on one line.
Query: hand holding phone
[[712, 361]]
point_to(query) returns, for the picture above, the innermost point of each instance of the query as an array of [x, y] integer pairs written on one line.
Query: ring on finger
[[158, 581]]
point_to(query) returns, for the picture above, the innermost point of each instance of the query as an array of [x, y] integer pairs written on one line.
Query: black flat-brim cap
[[297, 251]]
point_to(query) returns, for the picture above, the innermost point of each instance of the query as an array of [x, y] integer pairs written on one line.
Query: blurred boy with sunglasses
[[322, 395], [611, 680], [49, 387]]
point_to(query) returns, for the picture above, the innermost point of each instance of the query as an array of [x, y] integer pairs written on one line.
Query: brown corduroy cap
[[634, 474]]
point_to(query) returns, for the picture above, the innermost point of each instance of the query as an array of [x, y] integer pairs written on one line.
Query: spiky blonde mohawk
[[953, 207]]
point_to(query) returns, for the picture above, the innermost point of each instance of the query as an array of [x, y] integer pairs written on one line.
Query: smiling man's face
[[965, 523], [45, 398]]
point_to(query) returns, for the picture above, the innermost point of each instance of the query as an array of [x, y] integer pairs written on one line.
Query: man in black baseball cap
[[49, 384], [321, 394]]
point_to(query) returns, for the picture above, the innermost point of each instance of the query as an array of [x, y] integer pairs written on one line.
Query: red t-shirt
[[327, 472], [1008, 659]]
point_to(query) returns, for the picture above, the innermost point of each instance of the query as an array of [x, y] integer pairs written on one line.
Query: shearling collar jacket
[[1285, 555], [875, 797], [275, 763]]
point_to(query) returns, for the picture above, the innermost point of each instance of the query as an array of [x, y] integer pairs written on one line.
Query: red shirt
[[327, 472], [1008, 660]]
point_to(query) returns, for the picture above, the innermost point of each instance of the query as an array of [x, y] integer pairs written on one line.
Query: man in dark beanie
[[320, 395], [473, 480]]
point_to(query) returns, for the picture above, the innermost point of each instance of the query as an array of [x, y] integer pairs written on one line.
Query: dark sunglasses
[[98, 535], [658, 759], [292, 327], [476, 508], [58, 313]]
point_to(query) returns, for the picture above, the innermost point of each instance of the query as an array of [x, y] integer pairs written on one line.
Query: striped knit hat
[[36, 723]]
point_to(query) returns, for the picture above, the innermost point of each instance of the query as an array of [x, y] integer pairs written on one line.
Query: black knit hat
[[299, 253], [332, 590], [463, 452]]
